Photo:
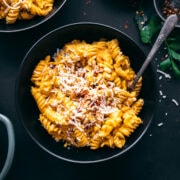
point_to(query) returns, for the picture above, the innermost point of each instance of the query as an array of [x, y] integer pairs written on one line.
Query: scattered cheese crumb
[[160, 77], [160, 124], [163, 73], [160, 92], [175, 102], [164, 97]]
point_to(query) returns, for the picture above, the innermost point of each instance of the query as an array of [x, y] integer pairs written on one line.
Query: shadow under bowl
[[27, 109]]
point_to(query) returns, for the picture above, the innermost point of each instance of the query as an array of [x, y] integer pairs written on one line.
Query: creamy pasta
[[12, 10], [81, 92]]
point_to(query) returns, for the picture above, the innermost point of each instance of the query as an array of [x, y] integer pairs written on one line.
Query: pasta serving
[[82, 95], [12, 10]]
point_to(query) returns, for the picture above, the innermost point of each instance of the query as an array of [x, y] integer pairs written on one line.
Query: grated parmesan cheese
[[175, 102], [160, 124], [15, 6], [160, 77], [162, 95], [95, 96], [163, 73], [160, 92]]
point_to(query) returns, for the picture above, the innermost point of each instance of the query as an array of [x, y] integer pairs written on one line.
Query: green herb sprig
[[148, 28], [173, 59]]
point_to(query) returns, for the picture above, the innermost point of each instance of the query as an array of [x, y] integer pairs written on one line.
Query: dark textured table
[[155, 157]]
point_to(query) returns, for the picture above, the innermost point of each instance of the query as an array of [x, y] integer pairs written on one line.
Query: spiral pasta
[[12, 10], [81, 92]]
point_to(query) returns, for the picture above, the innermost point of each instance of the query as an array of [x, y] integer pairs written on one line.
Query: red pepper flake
[[126, 25], [84, 13], [88, 2], [168, 9]]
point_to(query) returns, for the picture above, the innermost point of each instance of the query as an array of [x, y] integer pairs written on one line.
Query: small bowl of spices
[[165, 8]]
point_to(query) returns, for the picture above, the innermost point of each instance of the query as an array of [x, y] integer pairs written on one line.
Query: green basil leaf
[[173, 42], [176, 69], [174, 54], [165, 64], [146, 34], [149, 30], [174, 45]]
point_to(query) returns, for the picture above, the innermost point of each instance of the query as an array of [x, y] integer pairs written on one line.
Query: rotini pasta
[[82, 95], [12, 10]]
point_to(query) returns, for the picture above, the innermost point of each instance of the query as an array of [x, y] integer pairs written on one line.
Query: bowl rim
[[48, 16], [122, 151], [160, 14]]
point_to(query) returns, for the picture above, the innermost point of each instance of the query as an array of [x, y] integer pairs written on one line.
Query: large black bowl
[[28, 111], [22, 25]]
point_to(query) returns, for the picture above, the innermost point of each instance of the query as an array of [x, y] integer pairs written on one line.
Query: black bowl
[[29, 113], [22, 25], [158, 5]]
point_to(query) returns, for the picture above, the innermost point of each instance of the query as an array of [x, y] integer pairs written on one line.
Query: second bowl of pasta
[[20, 15], [72, 93]]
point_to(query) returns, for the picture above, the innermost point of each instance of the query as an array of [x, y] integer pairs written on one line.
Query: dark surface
[[155, 156]]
